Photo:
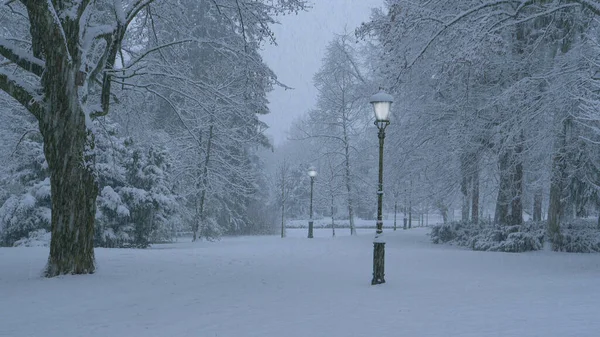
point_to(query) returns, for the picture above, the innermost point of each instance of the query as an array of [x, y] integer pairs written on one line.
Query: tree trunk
[[349, 191], [282, 220], [409, 215], [205, 180], [196, 223], [283, 210], [68, 150], [503, 201], [555, 204], [332, 213], [282, 177], [517, 184], [465, 208], [465, 186], [395, 212], [475, 194], [537, 205], [348, 175], [554, 213], [68, 145], [443, 209]]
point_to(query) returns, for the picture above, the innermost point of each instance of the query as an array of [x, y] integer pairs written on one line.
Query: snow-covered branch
[[460, 17], [20, 57], [23, 93]]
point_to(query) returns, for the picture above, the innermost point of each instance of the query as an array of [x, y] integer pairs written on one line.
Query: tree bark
[[68, 144], [332, 214], [475, 194], [282, 220], [517, 184], [557, 182], [554, 213], [72, 183], [283, 207], [409, 214], [348, 179], [464, 188], [537, 205], [202, 222], [74, 193], [503, 200], [395, 212]]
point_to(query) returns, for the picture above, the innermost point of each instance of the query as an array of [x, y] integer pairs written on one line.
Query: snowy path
[[266, 286]]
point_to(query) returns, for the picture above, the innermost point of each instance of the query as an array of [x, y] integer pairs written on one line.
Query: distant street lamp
[[381, 102], [312, 173]]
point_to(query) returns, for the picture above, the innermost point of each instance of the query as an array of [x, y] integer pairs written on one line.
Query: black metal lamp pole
[[310, 222], [379, 244], [312, 173], [381, 102]]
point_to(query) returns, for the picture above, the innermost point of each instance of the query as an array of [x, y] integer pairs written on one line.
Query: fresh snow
[[268, 286]]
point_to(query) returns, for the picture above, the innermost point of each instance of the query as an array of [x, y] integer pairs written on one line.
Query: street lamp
[[312, 173], [381, 102]]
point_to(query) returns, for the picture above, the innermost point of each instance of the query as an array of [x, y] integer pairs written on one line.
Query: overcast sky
[[301, 45]]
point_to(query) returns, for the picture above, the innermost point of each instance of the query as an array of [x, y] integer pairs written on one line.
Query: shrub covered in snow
[[25, 213], [38, 238], [26, 207], [135, 205], [580, 236], [485, 237]]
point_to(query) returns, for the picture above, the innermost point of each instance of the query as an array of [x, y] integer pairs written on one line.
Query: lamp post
[[381, 102], [312, 173]]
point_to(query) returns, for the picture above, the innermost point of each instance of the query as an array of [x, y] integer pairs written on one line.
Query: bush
[[520, 242], [577, 236], [442, 234], [485, 237], [38, 238]]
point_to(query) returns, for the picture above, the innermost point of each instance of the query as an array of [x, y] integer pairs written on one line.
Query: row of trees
[[507, 86], [496, 110]]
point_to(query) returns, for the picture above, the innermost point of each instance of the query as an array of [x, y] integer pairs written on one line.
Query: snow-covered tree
[[339, 117], [59, 60]]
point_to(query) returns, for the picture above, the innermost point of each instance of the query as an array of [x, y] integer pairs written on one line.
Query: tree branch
[[459, 18], [22, 93], [21, 58], [136, 8]]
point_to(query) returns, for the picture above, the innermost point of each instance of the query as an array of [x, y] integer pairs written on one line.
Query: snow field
[[268, 286]]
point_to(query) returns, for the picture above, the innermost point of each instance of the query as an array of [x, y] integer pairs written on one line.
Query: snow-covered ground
[[268, 286]]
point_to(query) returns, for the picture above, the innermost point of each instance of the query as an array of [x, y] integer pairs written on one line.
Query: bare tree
[[339, 115]]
